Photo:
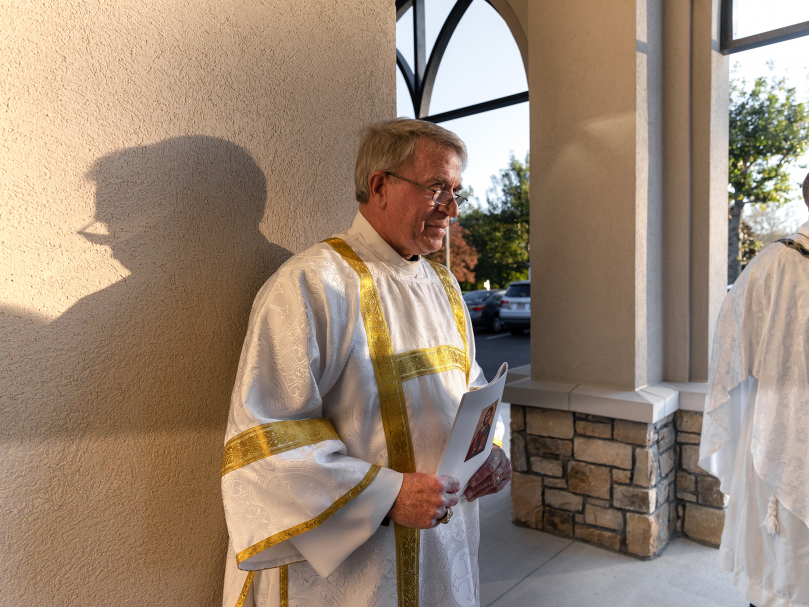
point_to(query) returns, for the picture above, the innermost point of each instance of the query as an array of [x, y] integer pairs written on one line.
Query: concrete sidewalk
[[522, 567]]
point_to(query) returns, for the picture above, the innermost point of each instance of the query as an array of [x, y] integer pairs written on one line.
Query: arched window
[[419, 68]]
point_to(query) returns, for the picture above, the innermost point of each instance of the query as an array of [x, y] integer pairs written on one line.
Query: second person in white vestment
[[356, 356], [755, 435]]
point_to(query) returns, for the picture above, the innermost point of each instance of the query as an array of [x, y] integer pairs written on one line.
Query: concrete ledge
[[518, 373], [647, 405], [692, 394], [543, 394], [637, 406]]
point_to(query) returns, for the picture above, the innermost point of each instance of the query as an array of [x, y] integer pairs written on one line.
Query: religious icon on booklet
[[482, 432], [474, 420]]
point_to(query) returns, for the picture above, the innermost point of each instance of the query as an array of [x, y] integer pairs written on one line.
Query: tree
[[462, 256], [500, 233], [769, 130], [750, 246]]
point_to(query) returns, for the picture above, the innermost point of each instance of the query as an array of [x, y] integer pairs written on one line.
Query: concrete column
[[595, 78], [677, 187], [709, 182], [629, 138]]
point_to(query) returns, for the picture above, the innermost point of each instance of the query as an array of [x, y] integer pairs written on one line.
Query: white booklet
[[470, 441]]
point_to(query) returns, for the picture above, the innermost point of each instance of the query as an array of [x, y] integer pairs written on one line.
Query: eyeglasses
[[440, 197]]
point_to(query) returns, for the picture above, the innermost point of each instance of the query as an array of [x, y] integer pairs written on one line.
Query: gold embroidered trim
[[408, 548], [457, 305], [245, 589], [498, 442], [795, 245], [286, 534], [283, 576], [391, 397], [394, 415], [274, 438], [416, 363]]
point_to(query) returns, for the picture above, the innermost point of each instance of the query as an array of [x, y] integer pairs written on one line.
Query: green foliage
[[499, 234], [768, 131], [750, 245]]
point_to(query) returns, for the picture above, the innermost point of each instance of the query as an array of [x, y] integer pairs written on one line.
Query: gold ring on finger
[[445, 519]]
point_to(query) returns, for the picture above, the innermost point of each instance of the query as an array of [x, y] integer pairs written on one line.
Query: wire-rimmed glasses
[[440, 197]]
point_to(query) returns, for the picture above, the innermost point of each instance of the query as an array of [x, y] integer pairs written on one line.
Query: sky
[[483, 62]]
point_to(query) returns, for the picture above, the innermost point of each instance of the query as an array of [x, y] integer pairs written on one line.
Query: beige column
[[596, 211], [709, 182], [628, 208], [629, 155]]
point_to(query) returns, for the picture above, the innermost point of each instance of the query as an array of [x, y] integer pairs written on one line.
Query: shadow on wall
[[115, 412]]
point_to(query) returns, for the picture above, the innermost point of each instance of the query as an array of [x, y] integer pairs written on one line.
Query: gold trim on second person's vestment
[[427, 361], [286, 534], [274, 438], [394, 416]]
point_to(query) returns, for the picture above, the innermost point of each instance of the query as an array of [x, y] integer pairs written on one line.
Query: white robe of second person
[[306, 360], [755, 435]]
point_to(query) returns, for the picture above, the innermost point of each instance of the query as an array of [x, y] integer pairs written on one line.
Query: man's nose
[[450, 209]]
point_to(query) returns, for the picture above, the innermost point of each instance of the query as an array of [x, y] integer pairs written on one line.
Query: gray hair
[[806, 190], [389, 145]]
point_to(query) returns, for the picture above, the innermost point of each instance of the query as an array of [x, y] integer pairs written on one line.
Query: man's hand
[[492, 476], [423, 500]]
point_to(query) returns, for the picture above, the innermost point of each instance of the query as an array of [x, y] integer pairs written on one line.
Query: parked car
[[484, 308], [515, 307]]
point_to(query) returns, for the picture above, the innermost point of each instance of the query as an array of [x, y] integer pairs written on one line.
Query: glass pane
[[756, 16], [404, 36], [519, 291], [490, 138], [474, 297], [436, 12], [788, 60], [482, 62], [404, 106]]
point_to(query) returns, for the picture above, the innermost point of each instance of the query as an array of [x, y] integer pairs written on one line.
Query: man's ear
[[377, 186]]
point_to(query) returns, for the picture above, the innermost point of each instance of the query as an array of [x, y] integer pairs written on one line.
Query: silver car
[[515, 307]]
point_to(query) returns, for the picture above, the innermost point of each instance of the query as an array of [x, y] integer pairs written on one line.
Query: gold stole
[[392, 403]]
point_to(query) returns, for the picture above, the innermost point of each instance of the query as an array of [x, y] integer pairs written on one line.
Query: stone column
[[628, 212]]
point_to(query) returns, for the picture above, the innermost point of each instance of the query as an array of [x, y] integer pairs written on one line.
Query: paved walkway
[[521, 567], [526, 568]]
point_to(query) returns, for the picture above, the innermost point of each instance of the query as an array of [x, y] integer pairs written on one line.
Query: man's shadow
[[120, 404]]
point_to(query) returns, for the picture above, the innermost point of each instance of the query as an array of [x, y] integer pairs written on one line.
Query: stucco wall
[[584, 213], [158, 161]]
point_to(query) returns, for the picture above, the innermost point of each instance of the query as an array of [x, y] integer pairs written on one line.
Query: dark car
[[484, 308]]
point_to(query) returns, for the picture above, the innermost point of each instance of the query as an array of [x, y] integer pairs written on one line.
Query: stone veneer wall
[[612, 482], [701, 505]]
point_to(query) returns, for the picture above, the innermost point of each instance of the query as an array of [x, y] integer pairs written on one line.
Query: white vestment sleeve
[[286, 472], [326, 546]]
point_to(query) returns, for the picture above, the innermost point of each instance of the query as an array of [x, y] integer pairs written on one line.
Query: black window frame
[[729, 45], [421, 77]]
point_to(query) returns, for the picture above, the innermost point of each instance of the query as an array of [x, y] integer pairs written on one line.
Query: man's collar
[[362, 229]]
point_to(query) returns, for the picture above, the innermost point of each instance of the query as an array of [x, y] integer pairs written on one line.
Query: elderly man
[[356, 357], [755, 435]]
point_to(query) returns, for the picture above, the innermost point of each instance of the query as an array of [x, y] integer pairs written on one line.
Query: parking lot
[[495, 348]]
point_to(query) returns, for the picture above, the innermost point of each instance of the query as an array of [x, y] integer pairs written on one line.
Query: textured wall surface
[[584, 216], [158, 161]]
